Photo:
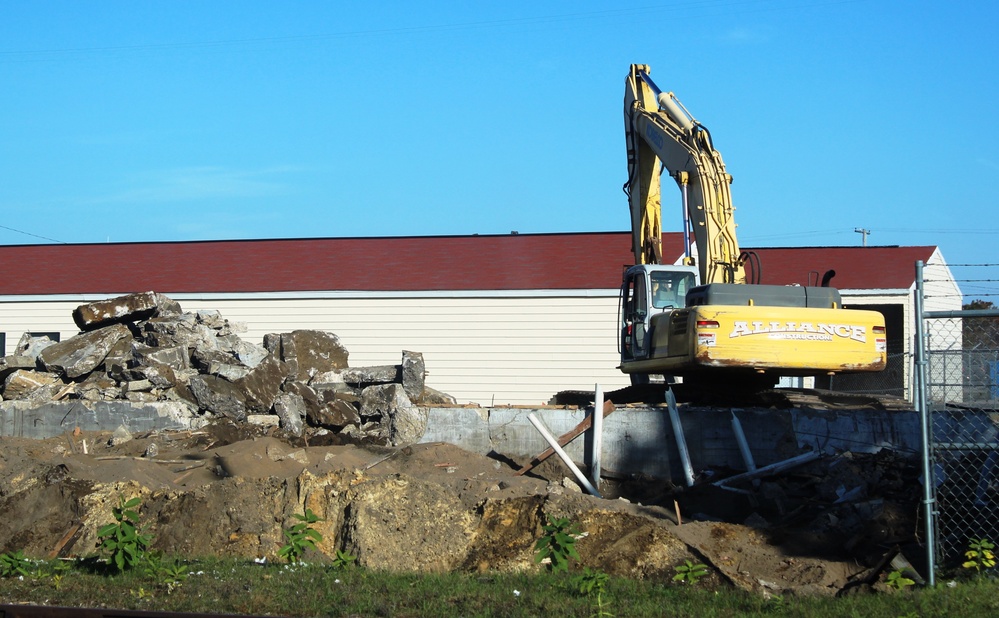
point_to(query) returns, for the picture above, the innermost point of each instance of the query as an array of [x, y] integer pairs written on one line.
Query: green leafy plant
[[591, 583], [898, 581], [123, 542], [301, 537], [54, 570], [775, 604], [558, 544], [15, 564], [690, 573], [342, 560], [980, 555], [142, 594], [171, 574]]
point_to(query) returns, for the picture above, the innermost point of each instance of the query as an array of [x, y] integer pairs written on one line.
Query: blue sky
[[143, 121]]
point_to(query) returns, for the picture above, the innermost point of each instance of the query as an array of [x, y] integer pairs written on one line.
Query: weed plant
[[980, 555], [124, 543], [15, 564], [558, 544], [301, 537], [690, 573]]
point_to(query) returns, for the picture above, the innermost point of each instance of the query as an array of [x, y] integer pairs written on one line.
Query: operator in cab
[[669, 289]]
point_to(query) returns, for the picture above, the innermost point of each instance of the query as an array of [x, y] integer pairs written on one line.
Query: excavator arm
[[659, 132]]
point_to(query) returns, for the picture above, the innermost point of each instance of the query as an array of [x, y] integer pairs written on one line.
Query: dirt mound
[[230, 490]]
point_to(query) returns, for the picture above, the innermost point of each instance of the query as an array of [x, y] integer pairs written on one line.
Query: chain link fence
[[957, 394], [891, 381]]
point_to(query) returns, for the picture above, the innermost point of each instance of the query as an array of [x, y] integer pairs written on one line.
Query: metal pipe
[[684, 179], [772, 468], [598, 433], [552, 442], [681, 440], [919, 396], [740, 437]]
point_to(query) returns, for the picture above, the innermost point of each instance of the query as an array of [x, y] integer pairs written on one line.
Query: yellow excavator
[[700, 318]]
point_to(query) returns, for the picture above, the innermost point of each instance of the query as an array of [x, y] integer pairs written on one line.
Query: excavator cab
[[648, 294]]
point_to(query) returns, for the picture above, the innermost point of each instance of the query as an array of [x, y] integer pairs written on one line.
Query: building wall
[[944, 336], [486, 348]]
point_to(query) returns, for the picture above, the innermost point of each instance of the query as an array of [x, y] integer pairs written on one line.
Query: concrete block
[[30, 420]]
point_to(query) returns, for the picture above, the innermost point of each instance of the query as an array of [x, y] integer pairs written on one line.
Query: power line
[[690, 5], [34, 235]]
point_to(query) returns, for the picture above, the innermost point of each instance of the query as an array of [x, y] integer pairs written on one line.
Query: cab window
[[669, 289]]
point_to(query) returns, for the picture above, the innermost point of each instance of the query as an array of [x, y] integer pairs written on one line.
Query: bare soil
[[825, 528]]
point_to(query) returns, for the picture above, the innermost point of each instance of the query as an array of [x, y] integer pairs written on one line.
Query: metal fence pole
[[922, 406]]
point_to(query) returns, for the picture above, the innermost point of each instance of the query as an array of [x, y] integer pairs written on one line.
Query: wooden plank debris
[[565, 439]]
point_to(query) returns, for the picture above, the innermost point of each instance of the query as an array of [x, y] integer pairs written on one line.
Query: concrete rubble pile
[[144, 348]]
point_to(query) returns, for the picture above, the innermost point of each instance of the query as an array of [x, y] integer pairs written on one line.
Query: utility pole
[[863, 231]]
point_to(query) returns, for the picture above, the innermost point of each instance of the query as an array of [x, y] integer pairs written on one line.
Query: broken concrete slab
[[413, 374], [176, 357], [120, 355], [365, 376], [336, 412], [332, 381], [31, 345], [404, 423], [10, 364], [211, 318], [181, 330], [20, 383], [82, 354], [158, 376], [249, 354], [218, 362], [28, 420], [290, 408], [219, 396], [307, 352], [263, 384], [263, 420], [434, 397], [128, 308], [378, 374], [136, 386]]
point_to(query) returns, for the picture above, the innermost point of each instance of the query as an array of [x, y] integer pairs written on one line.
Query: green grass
[[234, 586]]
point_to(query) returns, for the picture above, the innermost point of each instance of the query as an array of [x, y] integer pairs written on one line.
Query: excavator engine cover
[[764, 295]]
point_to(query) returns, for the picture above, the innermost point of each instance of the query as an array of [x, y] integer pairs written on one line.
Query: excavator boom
[[660, 133]]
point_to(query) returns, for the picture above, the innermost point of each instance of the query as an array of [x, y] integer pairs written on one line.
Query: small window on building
[[3, 344]]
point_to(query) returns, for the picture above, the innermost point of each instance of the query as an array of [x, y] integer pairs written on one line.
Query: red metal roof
[[856, 267], [490, 262]]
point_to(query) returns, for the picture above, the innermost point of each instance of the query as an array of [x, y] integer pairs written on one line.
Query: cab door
[[635, 316]]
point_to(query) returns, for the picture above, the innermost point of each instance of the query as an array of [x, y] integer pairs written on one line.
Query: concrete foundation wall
[[636, 441], [641, 441]]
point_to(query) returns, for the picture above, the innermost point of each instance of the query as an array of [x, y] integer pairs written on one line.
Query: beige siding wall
[[480, 349], [486, 348]]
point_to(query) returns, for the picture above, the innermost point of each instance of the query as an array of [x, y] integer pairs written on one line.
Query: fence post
[[598, 434], [925, 423]]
